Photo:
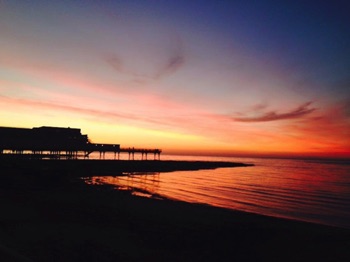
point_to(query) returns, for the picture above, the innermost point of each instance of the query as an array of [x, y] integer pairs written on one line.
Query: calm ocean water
[[308, 190]]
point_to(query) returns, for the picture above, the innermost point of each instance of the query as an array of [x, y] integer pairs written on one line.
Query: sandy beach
[[51, 215]]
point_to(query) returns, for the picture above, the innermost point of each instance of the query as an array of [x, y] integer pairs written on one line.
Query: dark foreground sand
[[52, 216]]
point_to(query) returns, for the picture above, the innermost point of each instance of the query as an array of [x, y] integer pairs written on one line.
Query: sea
[[312, 190]]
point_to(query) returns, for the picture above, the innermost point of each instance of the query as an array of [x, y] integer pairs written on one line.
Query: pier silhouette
[[60, 143]]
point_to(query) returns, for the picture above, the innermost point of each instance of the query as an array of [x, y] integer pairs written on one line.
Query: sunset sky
[[207, 77]]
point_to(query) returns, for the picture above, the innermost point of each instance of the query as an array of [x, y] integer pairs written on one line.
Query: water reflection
[[141, 184], [295, 189]]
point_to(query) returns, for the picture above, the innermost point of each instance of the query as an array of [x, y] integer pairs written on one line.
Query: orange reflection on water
[[141, 184], [304, 190]]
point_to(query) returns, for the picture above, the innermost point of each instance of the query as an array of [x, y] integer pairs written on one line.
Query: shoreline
[[138, 192], [103, 167], [50, 217]]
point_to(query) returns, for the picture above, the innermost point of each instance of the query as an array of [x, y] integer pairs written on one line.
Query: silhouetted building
[[42, 139], [58, 142]]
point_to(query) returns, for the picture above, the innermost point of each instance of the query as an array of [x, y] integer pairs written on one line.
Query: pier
[[117, 150], [61, 143]]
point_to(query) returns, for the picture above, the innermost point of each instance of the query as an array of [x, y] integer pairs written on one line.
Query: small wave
[[308, 190]]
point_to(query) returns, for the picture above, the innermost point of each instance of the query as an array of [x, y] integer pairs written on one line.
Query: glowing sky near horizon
[[233, 77]]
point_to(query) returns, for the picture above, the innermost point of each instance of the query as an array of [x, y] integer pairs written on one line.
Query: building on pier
[[58, 142]]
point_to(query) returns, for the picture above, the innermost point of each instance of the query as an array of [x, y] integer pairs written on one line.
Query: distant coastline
[[110, 167]]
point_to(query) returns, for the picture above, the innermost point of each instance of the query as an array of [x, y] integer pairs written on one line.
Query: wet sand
[[47, 215]]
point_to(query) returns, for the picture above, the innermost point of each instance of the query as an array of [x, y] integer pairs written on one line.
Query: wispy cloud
[[86, 112], [173, 64], [329, 129], [88, 108], [299, 112], [175, 60], [116, 63]]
